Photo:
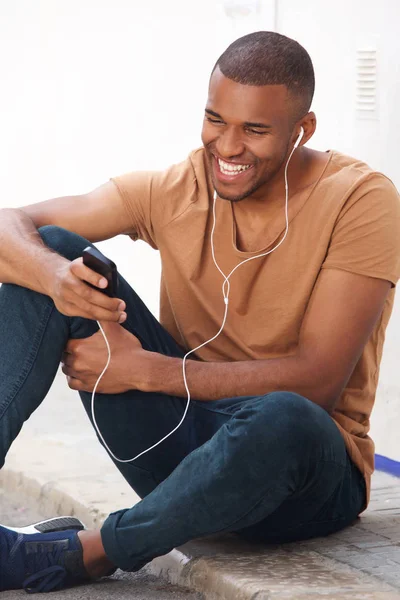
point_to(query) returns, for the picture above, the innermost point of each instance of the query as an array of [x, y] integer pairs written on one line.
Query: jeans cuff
[[111, 547]]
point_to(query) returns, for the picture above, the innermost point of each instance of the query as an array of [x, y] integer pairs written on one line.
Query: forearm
[[24, 258], [213, 381]]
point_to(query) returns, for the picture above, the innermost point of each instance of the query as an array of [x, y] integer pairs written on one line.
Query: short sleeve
[[136, 190], [366, 236], [155, 198]]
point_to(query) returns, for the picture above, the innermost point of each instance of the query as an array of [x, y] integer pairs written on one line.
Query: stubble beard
[[243, 196], [250, 191]]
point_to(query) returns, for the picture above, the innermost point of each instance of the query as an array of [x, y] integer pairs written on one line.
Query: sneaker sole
[[51, 525]]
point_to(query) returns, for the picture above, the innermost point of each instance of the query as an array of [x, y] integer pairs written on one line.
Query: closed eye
[[210, 120], [256, 131]]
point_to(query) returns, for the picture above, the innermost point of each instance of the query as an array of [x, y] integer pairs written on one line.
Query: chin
[[232, 197]]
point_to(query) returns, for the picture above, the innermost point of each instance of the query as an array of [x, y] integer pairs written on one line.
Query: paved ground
[[361, 562], [58, 463]]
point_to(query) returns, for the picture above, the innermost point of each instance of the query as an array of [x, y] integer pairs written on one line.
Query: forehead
[[239, 103]]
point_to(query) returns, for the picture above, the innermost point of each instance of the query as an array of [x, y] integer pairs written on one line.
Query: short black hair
[[269, 58]]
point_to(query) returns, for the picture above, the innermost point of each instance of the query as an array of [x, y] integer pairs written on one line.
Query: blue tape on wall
[[387, 465]]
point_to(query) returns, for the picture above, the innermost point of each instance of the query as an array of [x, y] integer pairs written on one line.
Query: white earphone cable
[[225, 293]]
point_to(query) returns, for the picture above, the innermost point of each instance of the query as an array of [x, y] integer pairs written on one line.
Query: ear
[[309, 124]]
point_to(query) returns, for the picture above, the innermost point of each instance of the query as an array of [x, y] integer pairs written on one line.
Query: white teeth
[[229, 169]]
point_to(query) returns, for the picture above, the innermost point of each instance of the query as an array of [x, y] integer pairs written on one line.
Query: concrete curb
[[48, 498], [223, 570]]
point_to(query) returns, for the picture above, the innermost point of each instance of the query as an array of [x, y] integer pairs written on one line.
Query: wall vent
[[366, 80]]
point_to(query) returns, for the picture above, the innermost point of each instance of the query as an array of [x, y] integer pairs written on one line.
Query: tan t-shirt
[[349, 219]]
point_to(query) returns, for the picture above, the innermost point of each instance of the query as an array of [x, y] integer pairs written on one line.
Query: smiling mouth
[[230, 170]]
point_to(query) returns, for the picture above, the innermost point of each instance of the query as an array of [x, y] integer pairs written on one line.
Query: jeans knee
[[292, 408], [291, 417], [64, 242]]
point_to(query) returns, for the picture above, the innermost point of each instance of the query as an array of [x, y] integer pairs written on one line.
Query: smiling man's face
[[247, 136]]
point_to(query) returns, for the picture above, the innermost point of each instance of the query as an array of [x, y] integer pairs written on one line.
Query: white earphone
[[225, 293], [297, 142]]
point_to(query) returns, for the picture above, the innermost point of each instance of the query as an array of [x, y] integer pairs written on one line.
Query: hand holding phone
[[69, 288], [105, 267]]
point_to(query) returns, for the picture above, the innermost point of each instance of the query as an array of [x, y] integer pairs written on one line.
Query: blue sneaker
[[50, 525], [40, 562]]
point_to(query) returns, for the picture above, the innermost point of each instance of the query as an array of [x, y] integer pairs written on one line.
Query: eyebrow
[[247, 123]]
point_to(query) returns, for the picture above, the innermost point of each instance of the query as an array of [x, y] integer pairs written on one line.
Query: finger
[[79, 289], [69, 372], [75, 384], [66, 359], [70, 346], [74, 346], [89, 311], [83, 272]]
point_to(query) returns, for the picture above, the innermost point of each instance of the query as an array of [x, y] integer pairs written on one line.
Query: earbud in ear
[[300, 137]]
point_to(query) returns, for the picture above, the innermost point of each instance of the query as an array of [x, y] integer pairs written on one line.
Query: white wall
[[332, 33], [94, 88]]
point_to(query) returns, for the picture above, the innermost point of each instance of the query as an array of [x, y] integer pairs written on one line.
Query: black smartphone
[[96, 261]]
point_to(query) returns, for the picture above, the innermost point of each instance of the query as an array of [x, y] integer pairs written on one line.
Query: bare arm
[[340, 318], [26, 261]]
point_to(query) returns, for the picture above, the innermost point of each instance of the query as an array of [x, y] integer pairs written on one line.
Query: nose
[[229, 143]]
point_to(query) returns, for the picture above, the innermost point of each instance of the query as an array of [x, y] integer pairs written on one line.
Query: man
[[275, 443]]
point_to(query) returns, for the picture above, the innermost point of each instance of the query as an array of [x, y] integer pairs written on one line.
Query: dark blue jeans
[[272, 468]]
